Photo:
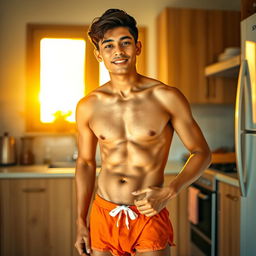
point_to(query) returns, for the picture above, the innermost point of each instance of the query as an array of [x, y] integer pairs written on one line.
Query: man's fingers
[[144, 207], [87, 245], [142, 191], [79, 247], [151, 214], [140, 202], [146, 211]]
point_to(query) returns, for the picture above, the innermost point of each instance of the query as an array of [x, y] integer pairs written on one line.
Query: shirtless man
[[133, 118]]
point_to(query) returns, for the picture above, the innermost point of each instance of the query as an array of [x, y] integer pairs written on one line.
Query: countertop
[[43, 171]]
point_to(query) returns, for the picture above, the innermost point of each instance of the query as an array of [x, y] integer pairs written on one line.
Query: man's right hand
[[82, 243]]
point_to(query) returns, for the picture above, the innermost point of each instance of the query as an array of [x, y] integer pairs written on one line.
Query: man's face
[[118, 51]]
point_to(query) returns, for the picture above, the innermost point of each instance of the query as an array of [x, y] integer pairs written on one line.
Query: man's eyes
[[109, 46], [126, 43]]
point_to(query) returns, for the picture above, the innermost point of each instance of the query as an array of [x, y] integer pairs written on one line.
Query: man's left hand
[[154, 201]]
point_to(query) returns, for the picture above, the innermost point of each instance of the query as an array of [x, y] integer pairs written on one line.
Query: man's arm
[[85, 170], [190, 134]]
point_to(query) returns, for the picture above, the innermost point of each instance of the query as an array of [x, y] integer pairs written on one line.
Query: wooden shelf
[[226, 68]]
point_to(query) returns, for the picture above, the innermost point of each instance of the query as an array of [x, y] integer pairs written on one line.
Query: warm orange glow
[[62, 66], [104, 74], [250, 54]]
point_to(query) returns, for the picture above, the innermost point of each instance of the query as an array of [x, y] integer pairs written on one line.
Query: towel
[[193, 205]]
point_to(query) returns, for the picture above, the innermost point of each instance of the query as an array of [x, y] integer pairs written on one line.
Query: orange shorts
[[127, 230]]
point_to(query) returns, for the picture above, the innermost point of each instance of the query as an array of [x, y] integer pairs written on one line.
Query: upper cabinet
[[188, 40]]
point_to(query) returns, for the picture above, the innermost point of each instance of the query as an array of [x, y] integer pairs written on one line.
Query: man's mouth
[[120, 61]]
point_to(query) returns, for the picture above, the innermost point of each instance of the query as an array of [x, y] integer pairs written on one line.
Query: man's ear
[[138, 47], [97, 55]]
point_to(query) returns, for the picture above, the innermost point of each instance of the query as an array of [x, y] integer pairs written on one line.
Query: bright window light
[[104, 75], [62, 67]]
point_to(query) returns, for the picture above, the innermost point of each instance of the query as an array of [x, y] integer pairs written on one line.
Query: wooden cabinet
[[38, 217], [248, 8], [35, 217], [177, 208], [228, 220], [190, 39]]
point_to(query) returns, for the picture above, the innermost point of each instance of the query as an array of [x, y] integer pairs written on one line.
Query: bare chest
[[136, 119]]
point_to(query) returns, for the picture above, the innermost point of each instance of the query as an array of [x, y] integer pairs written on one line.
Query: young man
[[133, 118]]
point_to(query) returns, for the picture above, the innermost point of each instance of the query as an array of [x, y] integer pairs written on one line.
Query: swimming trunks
[[122, 229]]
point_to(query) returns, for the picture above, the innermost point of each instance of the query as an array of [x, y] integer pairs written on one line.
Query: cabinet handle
[[202, 196], [233, 198], [33, 190]]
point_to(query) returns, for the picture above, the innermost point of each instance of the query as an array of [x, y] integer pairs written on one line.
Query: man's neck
[[124, 84]]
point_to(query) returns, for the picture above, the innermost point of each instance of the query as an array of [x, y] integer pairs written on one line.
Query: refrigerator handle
[[238, 128]]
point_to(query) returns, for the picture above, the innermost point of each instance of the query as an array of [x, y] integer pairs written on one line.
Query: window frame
[[35, 32]]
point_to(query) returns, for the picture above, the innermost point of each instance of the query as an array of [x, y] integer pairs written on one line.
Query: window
[[61, 69]]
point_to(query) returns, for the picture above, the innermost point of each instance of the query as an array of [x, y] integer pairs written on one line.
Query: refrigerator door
[[240, 115], [248, 203], [249, 53]]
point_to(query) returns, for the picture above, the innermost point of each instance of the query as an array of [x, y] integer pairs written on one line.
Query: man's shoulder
[[170, 97], [93, 97], [166, 92]]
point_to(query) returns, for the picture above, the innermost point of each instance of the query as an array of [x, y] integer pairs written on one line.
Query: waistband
[[130, 211], [110, 205]]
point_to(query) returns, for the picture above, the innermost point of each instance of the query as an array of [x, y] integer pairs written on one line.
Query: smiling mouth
[[120, 61]]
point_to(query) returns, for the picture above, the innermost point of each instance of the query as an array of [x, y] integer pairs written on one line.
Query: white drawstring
[[119, 209]]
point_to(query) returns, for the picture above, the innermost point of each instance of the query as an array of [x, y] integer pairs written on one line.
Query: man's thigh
[[164, 252], [98, 253]]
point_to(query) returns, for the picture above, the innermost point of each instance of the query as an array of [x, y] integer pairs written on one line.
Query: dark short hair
[[110, 19]]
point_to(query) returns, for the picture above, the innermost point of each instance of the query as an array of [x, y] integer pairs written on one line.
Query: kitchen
[[216, 120]]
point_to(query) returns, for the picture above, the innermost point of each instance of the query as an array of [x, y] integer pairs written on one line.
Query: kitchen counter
[[229, 178], [43, 171]]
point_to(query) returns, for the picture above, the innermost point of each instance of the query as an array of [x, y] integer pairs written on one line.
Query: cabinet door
[[177, 208], [181, 51], [228, 220], [223, 32], [190, 39], [35, 217]]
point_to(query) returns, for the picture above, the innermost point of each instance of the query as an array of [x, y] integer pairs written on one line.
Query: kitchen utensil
[[8, 155]]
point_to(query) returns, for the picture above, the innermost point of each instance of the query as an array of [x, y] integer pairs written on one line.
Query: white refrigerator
[[245, 136]]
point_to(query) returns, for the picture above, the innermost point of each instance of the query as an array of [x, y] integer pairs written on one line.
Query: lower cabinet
[[38, 217], [177, 208], [35, 217], [228, 220]]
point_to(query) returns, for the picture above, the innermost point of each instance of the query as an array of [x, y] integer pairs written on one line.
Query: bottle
[[26, 155], [47, 156]]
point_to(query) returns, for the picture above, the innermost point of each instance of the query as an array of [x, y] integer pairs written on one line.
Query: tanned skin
[[133, 119]]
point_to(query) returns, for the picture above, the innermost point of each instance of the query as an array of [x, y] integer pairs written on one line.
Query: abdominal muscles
[[129, 166]]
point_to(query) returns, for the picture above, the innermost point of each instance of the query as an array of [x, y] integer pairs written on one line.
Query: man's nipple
[[102, 137], [151, 133]]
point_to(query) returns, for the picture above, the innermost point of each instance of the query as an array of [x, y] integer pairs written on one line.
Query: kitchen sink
[[62, 165], [65, 165]]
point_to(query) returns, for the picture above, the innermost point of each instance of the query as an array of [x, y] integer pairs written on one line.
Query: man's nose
[[119, 50]]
